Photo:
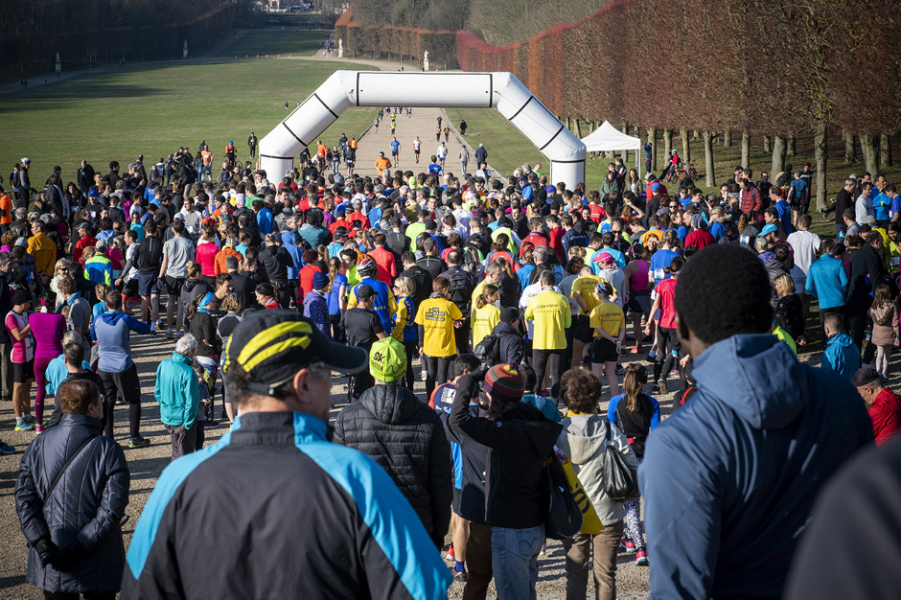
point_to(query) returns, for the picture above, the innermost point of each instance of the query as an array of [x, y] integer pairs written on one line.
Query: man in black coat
[[867, 262], [843, 201], [242, 286], [462, 285], [404, 436], [422, 279], [85, 177], [79, 478]]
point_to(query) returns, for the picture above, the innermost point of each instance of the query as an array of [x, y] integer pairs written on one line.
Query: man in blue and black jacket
[[307, 518]]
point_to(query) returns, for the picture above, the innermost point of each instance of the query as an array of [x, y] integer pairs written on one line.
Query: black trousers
[[438, 371], [128, 385], [88, 596], [478, 561], [667, 344], [409, 378], [540, 360], [461, 336]]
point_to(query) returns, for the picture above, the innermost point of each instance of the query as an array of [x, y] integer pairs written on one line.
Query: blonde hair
[[787, 283], [405, 286]]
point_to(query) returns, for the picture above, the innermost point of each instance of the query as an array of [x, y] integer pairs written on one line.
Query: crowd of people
[[517, 300]]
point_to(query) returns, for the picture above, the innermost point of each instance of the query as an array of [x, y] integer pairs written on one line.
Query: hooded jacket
[[407, 439], [841, 356], [85, 507], [516, 487], [584, 441], [828, 282], [509, 343], [729, 480]]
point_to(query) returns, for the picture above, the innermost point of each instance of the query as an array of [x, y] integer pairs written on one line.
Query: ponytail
[[634, 380], [487, 291]]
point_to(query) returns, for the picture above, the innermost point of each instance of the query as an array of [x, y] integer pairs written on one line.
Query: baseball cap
[[504, 380], [387, 360], [769, 229], [365, 292], [655, 187], [431, 224], [93, 193], [605, 257], [340, 232], [865, 376], [272, 345], [509, 314]]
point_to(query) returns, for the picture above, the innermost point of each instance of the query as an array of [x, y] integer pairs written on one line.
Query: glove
[[47, 550], [71, 554]]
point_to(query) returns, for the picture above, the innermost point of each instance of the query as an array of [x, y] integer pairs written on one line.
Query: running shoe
[[138, 442], [627, 545], [6, 449], [449, 555], [461, 576], [641, 558], [30, 419], [619, 370], [39, 429], [23, 425], [655, 388]]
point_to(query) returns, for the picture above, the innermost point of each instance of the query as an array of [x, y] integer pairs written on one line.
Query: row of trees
[[396, 42], [139, 40], [752, 67]]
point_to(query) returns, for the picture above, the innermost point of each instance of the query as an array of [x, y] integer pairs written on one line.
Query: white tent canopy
[[608, 138]]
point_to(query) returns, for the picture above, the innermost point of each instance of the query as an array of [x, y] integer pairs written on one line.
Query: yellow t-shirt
[[609, 317], [584, 286], [484, 320], [550, 312], [437, 316]]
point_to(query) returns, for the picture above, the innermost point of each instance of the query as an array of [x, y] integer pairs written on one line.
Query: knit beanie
[[504, 380]]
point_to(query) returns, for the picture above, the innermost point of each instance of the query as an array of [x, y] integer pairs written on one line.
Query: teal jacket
[[177, 391], [841, 356]]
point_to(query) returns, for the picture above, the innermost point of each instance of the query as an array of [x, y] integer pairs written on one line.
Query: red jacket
[[536, 239], [751, 200], [556, 235], [305, 278], [886, 415], [384, 260], [699, 238]]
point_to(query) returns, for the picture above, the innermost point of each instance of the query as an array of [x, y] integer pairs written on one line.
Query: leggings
[[438, 369], [668, 348], [540, 360], [40, 378], [882, 356], [409, 378]]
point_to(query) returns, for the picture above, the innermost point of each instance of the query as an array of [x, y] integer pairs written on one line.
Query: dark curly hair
[[722, 291], [580, 390]]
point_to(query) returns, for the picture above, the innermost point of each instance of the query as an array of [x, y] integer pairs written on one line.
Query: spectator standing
[[71, 495], [436, 318], [22, 359], [404, 436], [178, 393], [883, 404], [177, 253], [47, 329], [701, 545], [550, 313]]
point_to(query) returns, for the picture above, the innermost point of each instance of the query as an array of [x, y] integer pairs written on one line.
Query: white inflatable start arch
[[502, 91]]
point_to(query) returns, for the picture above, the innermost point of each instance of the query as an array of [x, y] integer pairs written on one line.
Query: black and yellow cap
[[272, 345]]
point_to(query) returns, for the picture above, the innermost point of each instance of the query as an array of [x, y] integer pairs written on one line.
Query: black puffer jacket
[[509, 343], [85, 506], [407, 439]]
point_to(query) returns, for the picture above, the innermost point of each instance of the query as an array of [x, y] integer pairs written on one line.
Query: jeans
[[540, 359], [578, 552], [514, 559]]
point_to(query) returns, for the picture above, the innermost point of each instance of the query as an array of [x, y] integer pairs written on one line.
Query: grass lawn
[[509, 149], [274, 41], [154, 108]]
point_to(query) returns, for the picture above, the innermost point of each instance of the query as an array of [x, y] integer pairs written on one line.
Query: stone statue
[[340, 48], [425, 61]]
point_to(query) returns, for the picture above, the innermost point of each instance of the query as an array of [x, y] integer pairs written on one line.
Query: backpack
[[488, 351], [564, 515]]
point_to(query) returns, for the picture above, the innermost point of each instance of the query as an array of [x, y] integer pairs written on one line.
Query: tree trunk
[[778, 165], [766, 144], [708, 159], [791, 150], [652, 139], [850, 148], [686, 145], [868, 144], [727, 137], [695, 134], [667, 146], [819, 148], [745, 149], [885, 151]]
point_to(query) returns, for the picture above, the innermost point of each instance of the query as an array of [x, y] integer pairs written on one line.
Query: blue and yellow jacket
[[306, 519]]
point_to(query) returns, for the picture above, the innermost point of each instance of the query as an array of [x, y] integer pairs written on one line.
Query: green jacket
[[177, 391]]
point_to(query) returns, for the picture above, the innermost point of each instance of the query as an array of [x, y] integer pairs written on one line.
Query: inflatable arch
[[502, 91]]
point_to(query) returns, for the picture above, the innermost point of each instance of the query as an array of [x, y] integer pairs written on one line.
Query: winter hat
[[320, 281], [509, 315], [504, 380], [387, 360]]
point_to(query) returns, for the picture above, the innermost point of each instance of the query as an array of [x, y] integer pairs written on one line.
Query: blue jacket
[[177, 391], [841, 355], [729, 480], [112, 332], [828, 281]]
